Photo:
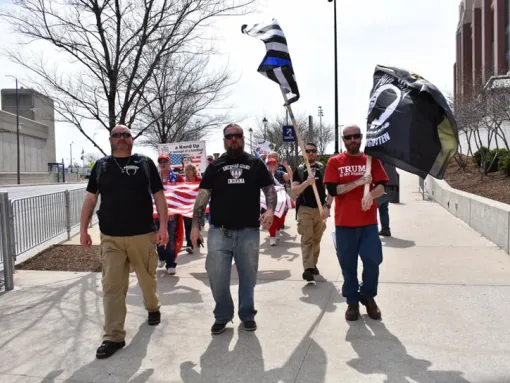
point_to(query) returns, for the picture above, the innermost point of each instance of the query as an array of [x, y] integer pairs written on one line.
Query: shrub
[[504, 164], [488, 155], [479, 154]]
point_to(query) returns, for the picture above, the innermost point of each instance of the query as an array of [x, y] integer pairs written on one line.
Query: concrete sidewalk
[[444, 296]]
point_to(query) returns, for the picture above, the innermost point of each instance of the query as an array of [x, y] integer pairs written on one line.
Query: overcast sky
[[418, 35]]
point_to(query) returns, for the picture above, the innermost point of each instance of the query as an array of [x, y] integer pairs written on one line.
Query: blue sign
[[289, 134]]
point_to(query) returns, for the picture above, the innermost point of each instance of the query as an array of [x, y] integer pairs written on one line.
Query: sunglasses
[[162, 162], [356, 136], [311, 150], [123, 135], [233, 135]]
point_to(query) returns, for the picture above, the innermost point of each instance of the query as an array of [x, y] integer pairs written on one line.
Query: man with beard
[[311, 224], [356, 222], [233, 183], [128, 237]]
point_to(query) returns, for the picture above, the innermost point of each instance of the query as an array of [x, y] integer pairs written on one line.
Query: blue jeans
[[243, 246], [384, 216], [167, 253], [351, 241]]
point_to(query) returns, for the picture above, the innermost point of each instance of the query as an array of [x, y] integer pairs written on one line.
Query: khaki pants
[[118, 255], [311, 227]]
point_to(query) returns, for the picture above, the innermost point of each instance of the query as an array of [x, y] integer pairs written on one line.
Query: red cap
[[164, 157]]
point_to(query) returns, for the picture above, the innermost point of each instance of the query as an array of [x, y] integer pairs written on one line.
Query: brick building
[[483, 49]]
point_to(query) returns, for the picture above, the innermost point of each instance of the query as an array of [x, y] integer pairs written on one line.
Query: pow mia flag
[[410, 124]]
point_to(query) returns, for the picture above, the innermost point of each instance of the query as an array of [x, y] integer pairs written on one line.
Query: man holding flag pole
[[346, 177]]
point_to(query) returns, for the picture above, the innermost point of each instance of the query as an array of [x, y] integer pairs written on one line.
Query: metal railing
[[27, 223], [7, 261]]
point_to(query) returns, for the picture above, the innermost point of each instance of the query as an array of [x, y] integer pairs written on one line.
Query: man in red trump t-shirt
[[356, 221]]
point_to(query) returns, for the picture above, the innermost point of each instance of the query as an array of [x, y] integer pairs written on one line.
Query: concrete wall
[[489, 218]]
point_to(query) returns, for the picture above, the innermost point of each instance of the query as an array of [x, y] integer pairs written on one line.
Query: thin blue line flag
[[276, 65]]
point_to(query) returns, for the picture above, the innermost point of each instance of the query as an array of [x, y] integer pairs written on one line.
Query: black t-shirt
[[235, 185], [126, 203], [307, 198]]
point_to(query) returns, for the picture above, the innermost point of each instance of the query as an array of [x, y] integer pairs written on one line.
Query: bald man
[[126, 183]]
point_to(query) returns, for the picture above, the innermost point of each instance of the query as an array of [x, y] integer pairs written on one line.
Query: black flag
[[410, 124]]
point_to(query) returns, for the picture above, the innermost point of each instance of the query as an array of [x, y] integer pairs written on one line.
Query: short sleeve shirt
[[307, 198], [344, 168], [126, 207], [235, 185]]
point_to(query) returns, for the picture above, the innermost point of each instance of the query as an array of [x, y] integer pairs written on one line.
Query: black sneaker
[[385, 232], [154, 318], [308, 275], [315, 271], [218, 328], [250, 325], [108, 348]]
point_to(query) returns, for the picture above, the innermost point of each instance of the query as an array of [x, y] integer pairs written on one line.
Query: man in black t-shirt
[[125, 182], [233, 183], [311, 224]]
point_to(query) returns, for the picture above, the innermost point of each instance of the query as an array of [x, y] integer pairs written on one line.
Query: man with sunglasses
[[233, 183], [311, 224], [128, 236], [356, 222]]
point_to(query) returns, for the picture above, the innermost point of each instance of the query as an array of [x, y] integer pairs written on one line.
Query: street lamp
[[336, 76], [17, 130], [321, 114], [264, 121], [71, 154], [251, 139]]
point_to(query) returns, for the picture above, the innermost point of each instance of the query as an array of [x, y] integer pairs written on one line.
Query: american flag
[[176, 159], [181, 196], [283, 203]]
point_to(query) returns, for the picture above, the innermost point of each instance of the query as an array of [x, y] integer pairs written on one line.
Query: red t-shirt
[[344, 168]]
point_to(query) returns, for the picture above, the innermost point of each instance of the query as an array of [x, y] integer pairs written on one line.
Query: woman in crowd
[[280, 178]]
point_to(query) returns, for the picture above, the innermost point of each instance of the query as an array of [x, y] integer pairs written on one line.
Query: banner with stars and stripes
[[192, 150]]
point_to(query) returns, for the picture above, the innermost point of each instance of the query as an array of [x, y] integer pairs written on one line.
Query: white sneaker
[[272, 241], [161, 263], [171, 271], [278, 235]]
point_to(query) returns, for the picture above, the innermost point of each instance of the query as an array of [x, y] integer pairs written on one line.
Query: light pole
[[71, 154], [336, 76], [17, 131], [264, 121], [251, 140], [321, 114]]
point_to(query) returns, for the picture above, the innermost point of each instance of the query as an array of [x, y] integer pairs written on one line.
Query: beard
[[122, 147], [235, 152], [353, 148]]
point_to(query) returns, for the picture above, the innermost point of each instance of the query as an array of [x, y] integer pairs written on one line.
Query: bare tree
[[324, 135], [186, 98], [114, 47], [481, 118]]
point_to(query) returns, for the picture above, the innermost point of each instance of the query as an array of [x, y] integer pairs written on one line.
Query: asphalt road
[[16, 192]]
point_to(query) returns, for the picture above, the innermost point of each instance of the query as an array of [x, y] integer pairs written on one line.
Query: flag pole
[[302, 146], [368, 170]]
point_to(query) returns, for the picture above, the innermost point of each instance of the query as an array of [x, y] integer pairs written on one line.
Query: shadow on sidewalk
[[246, 361], [381, 352], [263, 276], [127, 362], [169, 291], [397, 242]]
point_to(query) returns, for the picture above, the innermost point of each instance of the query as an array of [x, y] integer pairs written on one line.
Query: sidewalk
[[444, 297]]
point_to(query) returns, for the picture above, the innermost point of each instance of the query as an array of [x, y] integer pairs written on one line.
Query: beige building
[[36, 137]]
